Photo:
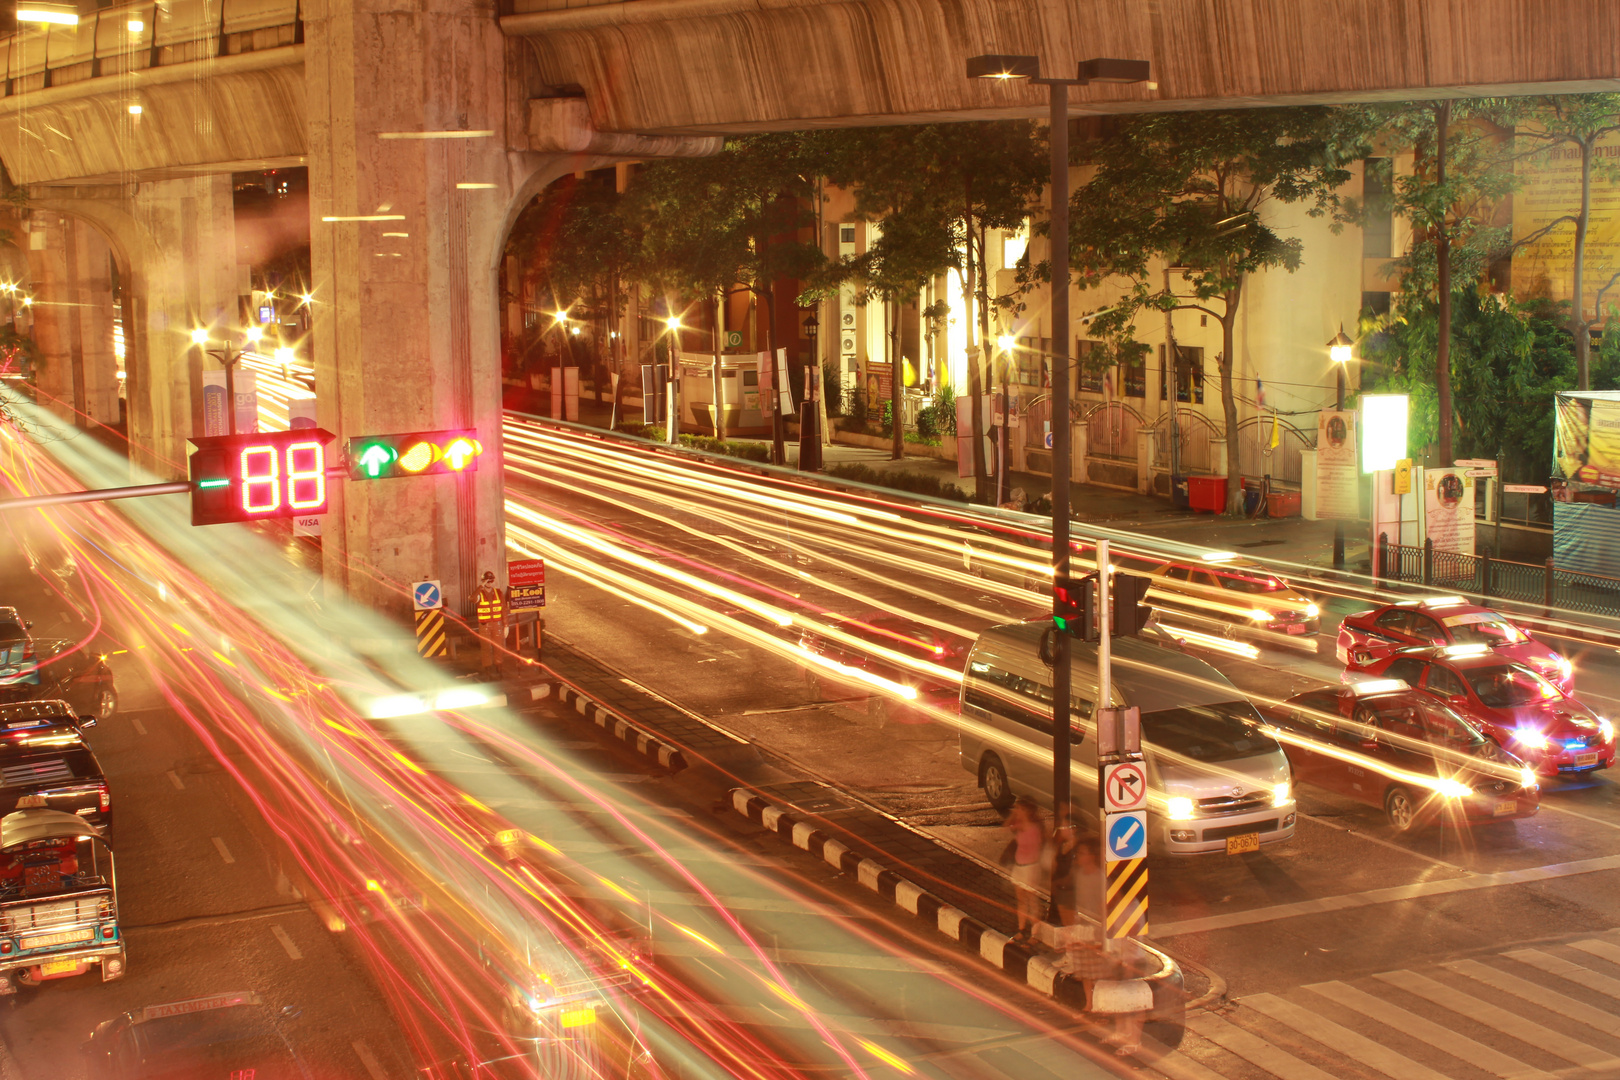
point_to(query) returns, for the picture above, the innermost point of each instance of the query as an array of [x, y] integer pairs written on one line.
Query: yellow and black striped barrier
[[430, 636], [1126, 905]]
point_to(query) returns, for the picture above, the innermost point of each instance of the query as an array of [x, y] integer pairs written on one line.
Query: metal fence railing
[[1489, 577]]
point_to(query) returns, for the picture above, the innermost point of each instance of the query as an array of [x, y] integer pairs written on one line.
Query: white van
[[1216, 780]]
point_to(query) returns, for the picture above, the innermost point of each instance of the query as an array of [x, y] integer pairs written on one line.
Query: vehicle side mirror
[[1046, 646], [28, 626], [1459, 699], [1076, 736], [87, 721]]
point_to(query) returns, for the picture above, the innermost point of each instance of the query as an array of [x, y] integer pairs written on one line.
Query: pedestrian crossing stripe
[[1126, 903], [430, 637], [1516, 1015]]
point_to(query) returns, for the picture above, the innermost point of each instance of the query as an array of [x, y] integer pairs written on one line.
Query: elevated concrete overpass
[[427, 127]]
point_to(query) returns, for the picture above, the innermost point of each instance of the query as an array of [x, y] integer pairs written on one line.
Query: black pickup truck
[[43, 755]]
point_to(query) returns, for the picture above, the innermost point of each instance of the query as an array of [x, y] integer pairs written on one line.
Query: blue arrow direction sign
[[1127, 835], [427, 596]]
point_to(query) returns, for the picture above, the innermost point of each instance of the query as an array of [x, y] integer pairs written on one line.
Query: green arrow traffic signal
[[375, 459]]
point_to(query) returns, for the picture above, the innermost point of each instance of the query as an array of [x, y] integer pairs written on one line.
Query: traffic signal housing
[[1074, 607], [1130, 612], [416, 453], [275, 474]]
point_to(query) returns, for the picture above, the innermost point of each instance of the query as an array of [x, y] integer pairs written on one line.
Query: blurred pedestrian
[[1031, 861]]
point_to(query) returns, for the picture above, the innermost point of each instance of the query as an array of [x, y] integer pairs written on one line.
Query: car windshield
[[1504, 686], [1209, 732], [11, 631], [1234, 583], [1484, 629]]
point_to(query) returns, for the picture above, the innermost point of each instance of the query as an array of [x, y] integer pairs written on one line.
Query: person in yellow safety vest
[[489, 611]]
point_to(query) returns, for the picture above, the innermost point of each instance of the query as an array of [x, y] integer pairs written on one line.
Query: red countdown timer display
[[274, 474]]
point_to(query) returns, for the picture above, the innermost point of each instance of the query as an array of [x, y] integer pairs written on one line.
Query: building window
[[1031, 357], [1378, 204], [1189, 375], [846, 234], [1133, 378], [1092, 372]]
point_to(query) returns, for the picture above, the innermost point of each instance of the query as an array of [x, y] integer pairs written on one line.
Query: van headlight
[[1312, 611], [1606, 729], [1281, 794], [1178, 808]]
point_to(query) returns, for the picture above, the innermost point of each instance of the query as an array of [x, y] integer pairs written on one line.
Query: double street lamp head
[[1100, 69]]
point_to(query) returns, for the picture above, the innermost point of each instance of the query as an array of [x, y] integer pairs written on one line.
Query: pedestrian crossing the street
[[1545, 1012]]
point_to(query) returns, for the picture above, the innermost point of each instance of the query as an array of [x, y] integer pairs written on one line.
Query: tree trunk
[[1577, 303], [982, 296], [897, 449], [616, 348], [975, 382], [778, 434], [1442, 251], [1234, 474]]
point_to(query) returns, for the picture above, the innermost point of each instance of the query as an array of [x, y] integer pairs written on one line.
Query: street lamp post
[[1089, 71], [1339, 348], [810, 422], [228, 358]]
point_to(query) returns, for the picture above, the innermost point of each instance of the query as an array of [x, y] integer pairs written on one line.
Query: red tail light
[[105, 798]]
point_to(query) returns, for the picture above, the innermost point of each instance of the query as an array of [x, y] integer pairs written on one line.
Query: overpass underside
[[426, 130]]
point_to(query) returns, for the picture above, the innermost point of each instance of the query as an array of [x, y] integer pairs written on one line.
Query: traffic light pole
[[29, 502], [1058, 137]]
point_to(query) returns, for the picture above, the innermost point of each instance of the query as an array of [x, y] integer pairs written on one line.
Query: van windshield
[[1221, 732]]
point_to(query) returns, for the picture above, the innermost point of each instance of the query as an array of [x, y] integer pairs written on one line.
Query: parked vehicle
[[22, 719], [1236, 598], [77, 675], [47, 759], [1381, 743], [1554, 732], [58, 899], [18, 663], [233, 1035], [875, 659], [1378, 632], [1216, 780]]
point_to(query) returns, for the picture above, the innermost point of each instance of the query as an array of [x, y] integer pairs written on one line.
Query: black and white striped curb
[[535, 692], [1016, 960], [645, 743]]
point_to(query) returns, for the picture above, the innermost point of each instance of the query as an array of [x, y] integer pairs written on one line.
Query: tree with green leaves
[[738, 219], [1573, 123], [1190, 190], [577, 245], [1462, 169], [939, 190]]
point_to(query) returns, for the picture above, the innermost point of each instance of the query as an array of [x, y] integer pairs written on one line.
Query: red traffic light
[[274, 474]]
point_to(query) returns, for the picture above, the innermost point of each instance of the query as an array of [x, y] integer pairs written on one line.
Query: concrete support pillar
[[411, 195], [55, 331], [73, 319], [186, 279]]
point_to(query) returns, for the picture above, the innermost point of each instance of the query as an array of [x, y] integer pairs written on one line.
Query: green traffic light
[[375, 459], [213, 483]]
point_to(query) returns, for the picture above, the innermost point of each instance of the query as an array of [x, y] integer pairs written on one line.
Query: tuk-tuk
[[58, 899]]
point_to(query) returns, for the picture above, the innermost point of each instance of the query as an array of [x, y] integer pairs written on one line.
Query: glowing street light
[[1339, 349], [199, 336]]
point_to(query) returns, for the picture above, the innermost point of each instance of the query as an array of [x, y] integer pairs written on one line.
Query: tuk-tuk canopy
[[38, 823]]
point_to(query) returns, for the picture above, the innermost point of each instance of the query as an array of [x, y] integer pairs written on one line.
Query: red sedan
[[873, 658], [1524, 713], [1411, 756], [1445, 620]]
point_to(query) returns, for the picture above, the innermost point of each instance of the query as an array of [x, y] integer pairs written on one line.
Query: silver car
[[1217, 782]]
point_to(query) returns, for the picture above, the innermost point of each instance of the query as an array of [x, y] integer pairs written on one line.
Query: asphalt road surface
[[1464, 955]]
